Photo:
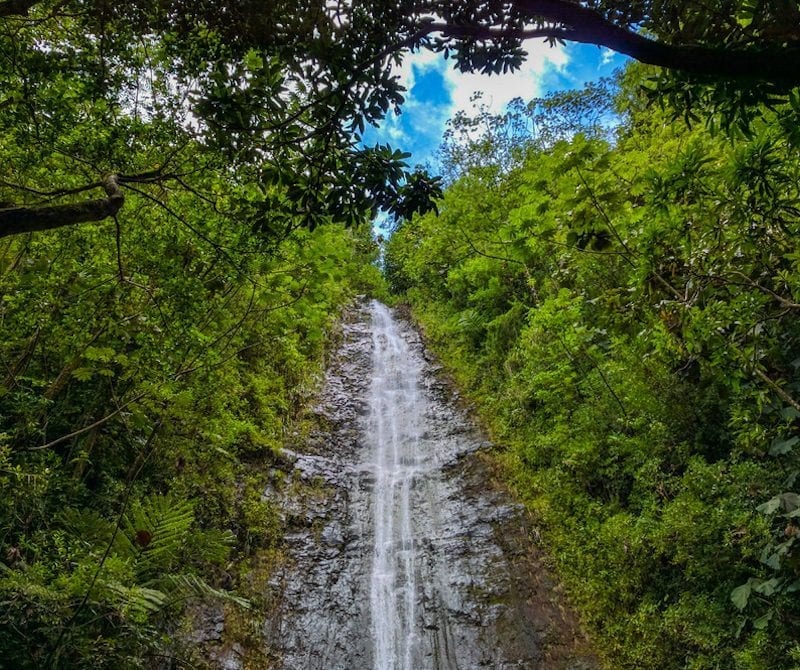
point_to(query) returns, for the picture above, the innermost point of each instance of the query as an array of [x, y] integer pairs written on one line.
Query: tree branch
[[86, 429], [16, 7], [779, 64], [16, 220], [777, 388]]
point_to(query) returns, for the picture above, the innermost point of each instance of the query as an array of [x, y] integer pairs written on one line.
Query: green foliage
[[154, 363], [151, 371], [624, 317], [149, 419], [263, 131], [260, 110]]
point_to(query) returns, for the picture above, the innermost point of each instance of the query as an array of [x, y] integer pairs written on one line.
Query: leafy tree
[[623, 315], [155, 357], [137, 413], [154, 369], [284, 91], [85, 83], [496, 144]]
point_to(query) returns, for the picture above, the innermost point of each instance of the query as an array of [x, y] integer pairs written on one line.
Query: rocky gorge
[[403, 551]]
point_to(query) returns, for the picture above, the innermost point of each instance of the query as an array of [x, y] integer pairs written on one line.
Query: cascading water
[[402, 557], [393, 432]]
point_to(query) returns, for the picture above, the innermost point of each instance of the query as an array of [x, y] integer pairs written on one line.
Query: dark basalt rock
[[482, 597]]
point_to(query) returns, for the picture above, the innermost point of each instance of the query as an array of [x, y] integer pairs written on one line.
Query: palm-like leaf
[[153, 534]]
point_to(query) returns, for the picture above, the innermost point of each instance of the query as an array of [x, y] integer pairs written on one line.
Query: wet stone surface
[[404, 553]]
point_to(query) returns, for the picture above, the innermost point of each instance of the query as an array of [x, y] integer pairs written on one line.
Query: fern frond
[[212, 545], [138, 601], [154, 532], [88, 525], [192, 586]]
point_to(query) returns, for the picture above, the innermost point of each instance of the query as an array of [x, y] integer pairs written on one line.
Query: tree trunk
[[775, 62]]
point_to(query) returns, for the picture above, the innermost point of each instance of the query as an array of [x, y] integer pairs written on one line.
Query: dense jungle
[[609, 275]]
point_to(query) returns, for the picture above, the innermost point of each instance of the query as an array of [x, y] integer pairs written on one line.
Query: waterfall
[[403, 555], [393, 432]]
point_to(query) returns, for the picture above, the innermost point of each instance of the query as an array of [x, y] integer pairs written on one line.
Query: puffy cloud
[[436, 91], [498, 90]]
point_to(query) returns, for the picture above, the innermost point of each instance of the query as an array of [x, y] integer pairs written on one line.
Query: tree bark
[[571, 22], [16, 7], [16, 220]]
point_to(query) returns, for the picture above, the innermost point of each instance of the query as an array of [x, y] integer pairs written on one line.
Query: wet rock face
[[404, 557]]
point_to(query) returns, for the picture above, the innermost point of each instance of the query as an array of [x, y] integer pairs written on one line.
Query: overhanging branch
[[571, 22], [17, 220], [16, 7]]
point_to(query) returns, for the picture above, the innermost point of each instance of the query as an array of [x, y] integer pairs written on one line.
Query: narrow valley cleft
[[404, 552]]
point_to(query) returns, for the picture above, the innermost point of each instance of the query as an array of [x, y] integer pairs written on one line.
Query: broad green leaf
[[763, 621], [771, 506], [740, 595], [780, 447], [766, 587]]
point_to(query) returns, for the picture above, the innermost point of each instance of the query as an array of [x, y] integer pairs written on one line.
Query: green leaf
[[771, 506], [224, 452], [194, 586], [780, 447], [790, 501], [772, 560], [767, 587], [789, 413], [740, 595], [787, 502], [253, 61], [166, 521], [83, 374], [102, 354], [763, 621]]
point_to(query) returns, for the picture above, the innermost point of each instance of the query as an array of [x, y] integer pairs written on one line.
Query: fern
[[137, 601], [153, 534], [212, 545], [152, 540], [140, 602], [88, 525], [192, 586]]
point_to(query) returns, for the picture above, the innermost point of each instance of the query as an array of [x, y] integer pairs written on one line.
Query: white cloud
[[427, 120], [422, 123], [606, 56], [499, 90], [391, 128]]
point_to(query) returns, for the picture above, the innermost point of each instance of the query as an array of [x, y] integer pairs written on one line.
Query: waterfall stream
[[404, 557], [393, 433]]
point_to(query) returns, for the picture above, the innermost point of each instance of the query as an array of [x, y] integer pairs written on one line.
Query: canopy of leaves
[[624, 315], [167, 95], [283, 91]]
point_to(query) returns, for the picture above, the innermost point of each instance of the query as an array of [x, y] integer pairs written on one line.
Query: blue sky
[[435, 91]]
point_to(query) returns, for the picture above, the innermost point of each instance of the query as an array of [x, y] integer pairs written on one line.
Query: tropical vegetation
[[619, 294], [157, 356], [185, 198]]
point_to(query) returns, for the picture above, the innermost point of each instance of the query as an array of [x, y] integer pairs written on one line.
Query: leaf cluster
[[624, 315]]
